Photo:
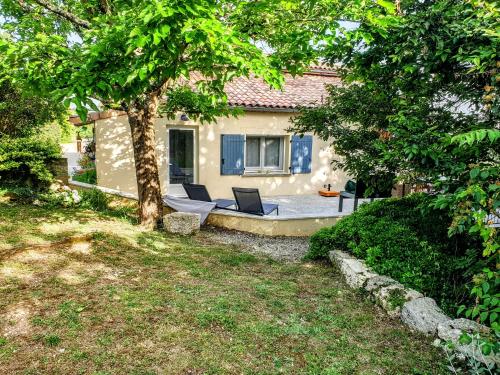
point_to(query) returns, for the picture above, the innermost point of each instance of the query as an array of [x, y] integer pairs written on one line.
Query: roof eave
[[265, 109]]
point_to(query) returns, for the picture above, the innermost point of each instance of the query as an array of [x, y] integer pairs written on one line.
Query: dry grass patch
[[128, 301]]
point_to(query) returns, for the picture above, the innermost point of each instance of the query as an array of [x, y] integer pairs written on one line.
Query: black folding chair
[[356, 190], [353, 190], [248, 201], [200, 193]]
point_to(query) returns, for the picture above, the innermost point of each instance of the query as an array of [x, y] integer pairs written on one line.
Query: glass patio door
[[180, 159]]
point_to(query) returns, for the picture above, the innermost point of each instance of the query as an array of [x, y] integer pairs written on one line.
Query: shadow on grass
[[26, 224]]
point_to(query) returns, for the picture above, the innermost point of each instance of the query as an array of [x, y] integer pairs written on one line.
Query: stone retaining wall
[[419, 313]]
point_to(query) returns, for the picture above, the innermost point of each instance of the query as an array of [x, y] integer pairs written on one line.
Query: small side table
[[329, 193]]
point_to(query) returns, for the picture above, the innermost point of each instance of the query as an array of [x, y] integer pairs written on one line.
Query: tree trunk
[[141, 119]]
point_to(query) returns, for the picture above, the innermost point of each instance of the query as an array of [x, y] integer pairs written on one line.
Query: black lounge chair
[[248, 201], [200, 193]]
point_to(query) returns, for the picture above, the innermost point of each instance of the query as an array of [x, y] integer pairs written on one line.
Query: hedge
[[408, 241]]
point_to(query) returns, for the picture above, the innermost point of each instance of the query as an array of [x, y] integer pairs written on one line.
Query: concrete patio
[[302, 206], [299, 215]]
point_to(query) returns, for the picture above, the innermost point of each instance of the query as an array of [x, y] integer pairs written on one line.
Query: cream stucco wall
[[115, 166]]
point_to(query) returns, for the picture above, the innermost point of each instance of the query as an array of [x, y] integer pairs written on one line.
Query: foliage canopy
[[420, 105], [24, 115]]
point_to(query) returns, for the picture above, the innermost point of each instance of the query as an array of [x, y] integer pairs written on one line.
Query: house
[[252, 150]]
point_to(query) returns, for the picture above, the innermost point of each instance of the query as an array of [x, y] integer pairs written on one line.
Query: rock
[[355, 271], [183, 223], [392, 297], [76, 196], [377, 282], [451, 331], [55, 186], [423, 315], [412, 294], [468, 326], [335, 255]]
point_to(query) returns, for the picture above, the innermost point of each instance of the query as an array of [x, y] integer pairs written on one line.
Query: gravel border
[[289, 249]]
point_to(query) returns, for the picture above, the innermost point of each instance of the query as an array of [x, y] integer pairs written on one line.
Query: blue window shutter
[[301, 154], [232, 154]]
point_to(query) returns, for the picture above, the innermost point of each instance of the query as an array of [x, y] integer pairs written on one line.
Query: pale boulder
[[452, 330], [423, 315], [392, 297], [355, 272], [183, 223], [377, 282]]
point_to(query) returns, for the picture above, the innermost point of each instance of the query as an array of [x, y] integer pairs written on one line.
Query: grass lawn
[[118, 300]]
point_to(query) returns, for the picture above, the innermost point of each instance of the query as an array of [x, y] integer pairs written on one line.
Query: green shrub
[[21, 194], [26, 161], [404, 239], [89, 176], [94, 199]]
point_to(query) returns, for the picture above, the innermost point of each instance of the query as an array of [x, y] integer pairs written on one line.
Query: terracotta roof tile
[[302, 91]]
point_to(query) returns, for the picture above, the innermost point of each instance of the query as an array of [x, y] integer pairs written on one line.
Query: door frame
[[176, 189]]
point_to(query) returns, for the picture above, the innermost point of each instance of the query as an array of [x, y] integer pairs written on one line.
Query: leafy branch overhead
[[142, 50], [148, 45]]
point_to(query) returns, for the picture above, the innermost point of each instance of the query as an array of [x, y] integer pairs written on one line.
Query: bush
[[26, 161], [89, 176], [21, 194], [88, 173], [95, 200], [67, 198], [408, 241]]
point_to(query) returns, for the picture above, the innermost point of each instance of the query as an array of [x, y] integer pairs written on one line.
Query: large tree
[[421, 104], [133, 54], [127, 55]]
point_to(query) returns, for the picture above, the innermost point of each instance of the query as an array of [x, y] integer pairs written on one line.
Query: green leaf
[[165, 30], [486, 287], [135, 31], [388, 5], [486, 349], [131, 77], [143, 73], [483, 316], [148, 17], [493, 317], [465, 339], [156, 38], [474, 173]]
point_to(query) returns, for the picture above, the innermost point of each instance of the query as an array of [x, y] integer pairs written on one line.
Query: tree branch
[[104, 6], [75, 20], [24, 6]]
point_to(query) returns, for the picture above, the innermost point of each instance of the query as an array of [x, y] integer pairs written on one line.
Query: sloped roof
[[308, 90]]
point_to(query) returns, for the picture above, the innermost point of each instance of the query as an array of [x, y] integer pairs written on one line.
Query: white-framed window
[[264, 153]]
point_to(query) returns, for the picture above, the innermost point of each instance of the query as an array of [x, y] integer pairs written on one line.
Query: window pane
[[253, 152], [272, 155]]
